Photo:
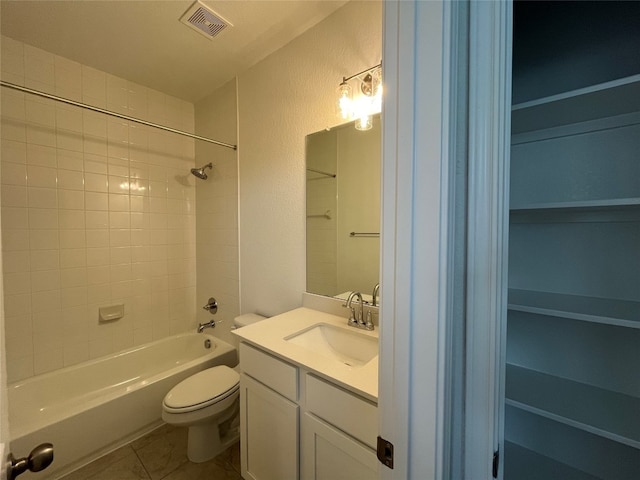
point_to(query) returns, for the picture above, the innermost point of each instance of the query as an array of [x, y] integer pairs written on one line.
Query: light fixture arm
[[368, 102], [346, 79]]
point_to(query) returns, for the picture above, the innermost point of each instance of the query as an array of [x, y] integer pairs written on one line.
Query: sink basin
[[348, 347]]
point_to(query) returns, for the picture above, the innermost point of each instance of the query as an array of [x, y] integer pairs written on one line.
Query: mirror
[[343, 210]]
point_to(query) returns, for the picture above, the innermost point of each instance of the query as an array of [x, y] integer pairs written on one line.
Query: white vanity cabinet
[[268, 416], [295, 424], [338, 434]]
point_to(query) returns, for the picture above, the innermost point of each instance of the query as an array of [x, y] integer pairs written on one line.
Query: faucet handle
[[369, 323], [211, 306]]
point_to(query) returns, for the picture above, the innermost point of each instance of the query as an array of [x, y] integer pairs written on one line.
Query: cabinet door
[[329, 454], [269, 433]]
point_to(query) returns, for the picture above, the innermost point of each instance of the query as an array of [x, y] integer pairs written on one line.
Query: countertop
[[270, 335]]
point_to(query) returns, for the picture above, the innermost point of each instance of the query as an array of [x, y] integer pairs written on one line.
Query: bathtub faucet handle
[[211, 306]]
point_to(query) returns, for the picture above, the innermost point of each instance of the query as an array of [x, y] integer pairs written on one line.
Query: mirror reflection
[[343, 210]]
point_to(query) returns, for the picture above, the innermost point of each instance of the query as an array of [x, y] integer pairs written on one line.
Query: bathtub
[[89, 409]]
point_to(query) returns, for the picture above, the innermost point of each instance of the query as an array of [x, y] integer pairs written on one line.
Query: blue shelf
[[617, 97], [521, 463], [601, 412], [587, 205], [621, 313]]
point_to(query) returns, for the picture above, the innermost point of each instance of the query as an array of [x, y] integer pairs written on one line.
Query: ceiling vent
[[204, 20]]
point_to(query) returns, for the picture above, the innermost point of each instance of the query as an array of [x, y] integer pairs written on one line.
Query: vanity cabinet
[[295, 424], [269, 416], [573, 334], [330, 454], [272, 439], [338, 434]]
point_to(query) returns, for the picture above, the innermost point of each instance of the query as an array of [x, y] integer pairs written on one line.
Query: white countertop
[[270, 335]]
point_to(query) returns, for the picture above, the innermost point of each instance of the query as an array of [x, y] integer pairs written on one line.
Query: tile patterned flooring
[[160, 455]]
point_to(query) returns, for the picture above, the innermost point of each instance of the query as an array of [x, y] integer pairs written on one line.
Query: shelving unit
[[573, 341], [595, 410], [519, 459], [614, 98], [610, 311]]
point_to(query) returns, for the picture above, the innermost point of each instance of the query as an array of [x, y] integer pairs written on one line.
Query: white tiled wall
[[217, 214], [95, 211]]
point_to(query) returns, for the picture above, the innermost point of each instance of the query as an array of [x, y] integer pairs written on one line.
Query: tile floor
[[160, 455]]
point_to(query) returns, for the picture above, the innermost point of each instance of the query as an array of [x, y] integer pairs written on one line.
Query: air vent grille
[[204, 20]]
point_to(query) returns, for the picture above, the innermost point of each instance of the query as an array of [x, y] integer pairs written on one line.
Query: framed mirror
[[343, 210]]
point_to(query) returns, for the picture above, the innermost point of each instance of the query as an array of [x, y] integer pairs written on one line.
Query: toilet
[[208, 403]]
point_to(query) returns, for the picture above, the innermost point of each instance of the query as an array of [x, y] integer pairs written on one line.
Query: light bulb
[[364, 122], [344, 104]]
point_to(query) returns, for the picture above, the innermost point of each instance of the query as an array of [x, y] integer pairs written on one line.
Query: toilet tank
[[242, 321]]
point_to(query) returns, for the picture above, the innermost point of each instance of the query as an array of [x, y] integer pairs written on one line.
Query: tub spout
[[209, 324]]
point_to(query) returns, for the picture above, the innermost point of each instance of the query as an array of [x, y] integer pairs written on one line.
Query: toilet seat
[[202, 390]]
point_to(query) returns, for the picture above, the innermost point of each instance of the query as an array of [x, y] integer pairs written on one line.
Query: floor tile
[[100, 464], [129, 468], [160, 455], [210, 470], [164, 453], [121, 464], [150, 437]]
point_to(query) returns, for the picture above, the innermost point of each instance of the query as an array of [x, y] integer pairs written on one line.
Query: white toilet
[[208, 403]]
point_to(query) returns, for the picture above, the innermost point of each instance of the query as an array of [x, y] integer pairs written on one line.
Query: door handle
[[39, 459]]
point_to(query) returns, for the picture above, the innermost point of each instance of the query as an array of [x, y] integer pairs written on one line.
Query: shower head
[[199, 172]]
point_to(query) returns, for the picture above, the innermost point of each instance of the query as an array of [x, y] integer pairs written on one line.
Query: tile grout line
[[141, 462]]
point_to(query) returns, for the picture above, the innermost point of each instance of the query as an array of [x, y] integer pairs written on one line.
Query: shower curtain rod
[[113, 114]]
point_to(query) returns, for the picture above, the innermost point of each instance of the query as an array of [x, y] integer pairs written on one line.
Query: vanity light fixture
[[368, 98]]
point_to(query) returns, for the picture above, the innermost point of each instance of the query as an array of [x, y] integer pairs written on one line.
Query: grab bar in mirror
[[326, 215], [332, 175]]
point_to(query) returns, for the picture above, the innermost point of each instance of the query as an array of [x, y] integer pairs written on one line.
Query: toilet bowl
[[208, 404]]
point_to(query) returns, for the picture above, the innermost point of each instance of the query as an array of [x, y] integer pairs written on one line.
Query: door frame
[[423, 43], [491, 27]]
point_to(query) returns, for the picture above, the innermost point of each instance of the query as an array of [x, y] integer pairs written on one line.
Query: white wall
[[282, 99], [217, 213], [95, 211]]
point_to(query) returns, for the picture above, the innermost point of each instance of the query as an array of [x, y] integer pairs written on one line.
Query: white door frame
[[416, 240], [488, 232], [421, 46]]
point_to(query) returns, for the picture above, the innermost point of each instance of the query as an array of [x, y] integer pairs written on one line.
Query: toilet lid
[[203, 389]]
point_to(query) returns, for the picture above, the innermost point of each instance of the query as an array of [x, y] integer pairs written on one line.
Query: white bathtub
[[94, 407]]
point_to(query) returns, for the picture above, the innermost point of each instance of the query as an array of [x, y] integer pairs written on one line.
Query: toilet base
[[204, 442], [208, 440]]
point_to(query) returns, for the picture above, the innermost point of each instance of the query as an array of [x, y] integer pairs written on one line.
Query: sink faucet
[[376, 291], [354, 320]]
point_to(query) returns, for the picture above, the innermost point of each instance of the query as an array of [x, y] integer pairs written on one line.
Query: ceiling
[[145, 42]]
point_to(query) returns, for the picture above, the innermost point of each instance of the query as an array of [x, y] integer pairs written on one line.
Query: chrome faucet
[[376, 291], [356, 320], [212, 308], [209, 324]]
